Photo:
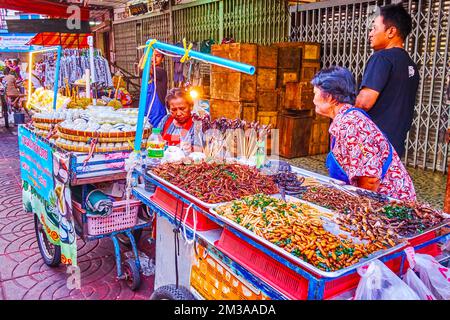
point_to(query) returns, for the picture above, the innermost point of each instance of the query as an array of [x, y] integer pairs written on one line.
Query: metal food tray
[[319, 177], [182, 192], [434, 228], [353, 189], [306, 265], [431, 229]]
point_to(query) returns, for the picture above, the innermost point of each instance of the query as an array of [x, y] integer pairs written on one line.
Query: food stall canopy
[[65, 40], [11, 42], [48, 8]]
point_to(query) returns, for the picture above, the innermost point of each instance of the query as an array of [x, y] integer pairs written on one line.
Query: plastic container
[[117, 220], [155, 152], [19, 118]]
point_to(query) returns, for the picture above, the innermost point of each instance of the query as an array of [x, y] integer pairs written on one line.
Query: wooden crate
[[310, 50], [267, 57], [320, 138], [249, 111], [295, 133], [233, 86], [308, 70], [232, 110], [266, 79], [287, 75], [290, 58], [267, 100], [299, 96], [223, 108], [241, 52], [267, 117]]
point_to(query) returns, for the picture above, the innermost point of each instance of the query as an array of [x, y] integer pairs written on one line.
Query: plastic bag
[[435, 276], [378, 282], [414, 282]]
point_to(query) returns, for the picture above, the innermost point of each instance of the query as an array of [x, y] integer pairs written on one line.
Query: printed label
[[156, 149]]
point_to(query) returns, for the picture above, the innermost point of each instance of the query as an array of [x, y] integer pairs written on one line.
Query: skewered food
[[214, 183], [299, 229]]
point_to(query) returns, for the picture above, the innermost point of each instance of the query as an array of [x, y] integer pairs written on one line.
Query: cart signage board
[[36, 163]]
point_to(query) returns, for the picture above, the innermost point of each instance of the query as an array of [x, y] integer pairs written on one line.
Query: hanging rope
[[147, 53], [190, 241], [130, 164], [187, 49]]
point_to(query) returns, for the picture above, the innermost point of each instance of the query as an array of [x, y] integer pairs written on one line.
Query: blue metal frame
[[112, 235], [152, 44], [316, 285], [57, 69], [237, 268]]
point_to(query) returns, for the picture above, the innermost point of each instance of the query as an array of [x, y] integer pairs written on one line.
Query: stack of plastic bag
[[433, 281], [378, 282]]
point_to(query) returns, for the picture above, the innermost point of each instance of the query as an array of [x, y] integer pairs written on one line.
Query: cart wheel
[[50, 253], [132, 276], [171, 292], [123, 238]]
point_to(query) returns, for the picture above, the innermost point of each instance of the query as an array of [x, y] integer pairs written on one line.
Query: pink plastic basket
[[117, 220]]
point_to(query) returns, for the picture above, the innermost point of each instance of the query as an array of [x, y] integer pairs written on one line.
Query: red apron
[[174, 139]]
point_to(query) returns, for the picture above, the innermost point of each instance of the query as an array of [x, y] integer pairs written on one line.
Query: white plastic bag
[[378, 282], [435, 276], [414, 282]]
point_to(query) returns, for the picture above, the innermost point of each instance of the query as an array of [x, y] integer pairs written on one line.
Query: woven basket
[[44, 120], [90, 134], [97, 149], [100, 139], [42, 126]]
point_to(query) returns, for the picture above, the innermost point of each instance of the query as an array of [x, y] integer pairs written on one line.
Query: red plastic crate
[[280, 277], [431, 249], [289, 282], [168, 202]]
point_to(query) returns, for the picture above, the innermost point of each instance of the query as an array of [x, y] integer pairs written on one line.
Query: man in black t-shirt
[[390, 80]]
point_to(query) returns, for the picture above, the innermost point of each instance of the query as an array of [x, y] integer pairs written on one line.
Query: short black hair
[[395, 15], [6, 70]]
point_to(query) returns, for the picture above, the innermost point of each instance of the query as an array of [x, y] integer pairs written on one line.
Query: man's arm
[[375, 78], [366, 99]]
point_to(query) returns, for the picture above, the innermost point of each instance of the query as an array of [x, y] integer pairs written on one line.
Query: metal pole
[[91, 65], [55, 85], [430, 98], [441, 90], [143, 98], [241, 67], [424, 62]]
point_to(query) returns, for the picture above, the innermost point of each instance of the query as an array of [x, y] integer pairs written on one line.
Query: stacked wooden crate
[[296, 99], [233, 93], [266, 86], [238, 95], [279, 93]]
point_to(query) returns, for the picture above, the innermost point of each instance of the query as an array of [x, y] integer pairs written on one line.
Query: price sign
[[138, 8]]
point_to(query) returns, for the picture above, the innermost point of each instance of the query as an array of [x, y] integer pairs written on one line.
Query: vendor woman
[[177, 127], [360, 155]]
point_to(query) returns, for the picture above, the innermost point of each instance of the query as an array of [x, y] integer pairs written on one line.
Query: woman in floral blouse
[[360, 155]]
